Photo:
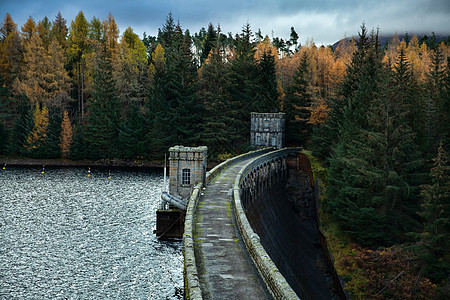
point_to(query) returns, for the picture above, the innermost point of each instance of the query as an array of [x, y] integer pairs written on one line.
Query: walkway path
[[225, 270]]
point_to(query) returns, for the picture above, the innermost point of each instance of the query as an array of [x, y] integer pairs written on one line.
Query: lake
[[66, 235]]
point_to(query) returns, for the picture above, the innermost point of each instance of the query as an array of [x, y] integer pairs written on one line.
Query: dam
[[251, 231]]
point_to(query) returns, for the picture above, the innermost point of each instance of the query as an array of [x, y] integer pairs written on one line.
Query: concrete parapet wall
[[276, 283], [191, 280]]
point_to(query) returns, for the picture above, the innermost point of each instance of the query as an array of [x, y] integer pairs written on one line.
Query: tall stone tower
[[187, 167], [267, 130]]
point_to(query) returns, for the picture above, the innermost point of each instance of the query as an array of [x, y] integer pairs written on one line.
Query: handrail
[[275, 281]]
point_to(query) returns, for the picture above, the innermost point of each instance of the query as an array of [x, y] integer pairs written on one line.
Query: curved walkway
[[225, 271]]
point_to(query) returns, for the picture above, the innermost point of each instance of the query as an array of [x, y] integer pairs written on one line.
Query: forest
[[375, 116]]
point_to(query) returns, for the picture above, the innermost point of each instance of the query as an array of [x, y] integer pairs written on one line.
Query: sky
[[323, 21]]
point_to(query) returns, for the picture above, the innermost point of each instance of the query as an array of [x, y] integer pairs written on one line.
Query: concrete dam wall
[[284, 217]]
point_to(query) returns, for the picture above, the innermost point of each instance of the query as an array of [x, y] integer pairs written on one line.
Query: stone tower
[[187, 167], [267, 130]]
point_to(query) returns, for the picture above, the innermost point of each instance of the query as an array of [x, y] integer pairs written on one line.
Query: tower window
[[274, 141], [186, 176]]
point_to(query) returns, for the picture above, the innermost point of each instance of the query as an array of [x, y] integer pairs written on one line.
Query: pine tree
[[445, 106], [11, 51], [5, 104], [102, 128], [79, 47], [60, 30], [22, 128], [166, 35], [353, 175], [297, 102], [433, 241], [132, 134], [433, 103], [158, 132], [208, 43], [43, 28], [267, 99], [66, 136], [241, 89], [327, 136], [182, 77], [51, 147], [211, 86]]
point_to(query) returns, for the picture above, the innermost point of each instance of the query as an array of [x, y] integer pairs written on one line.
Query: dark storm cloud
[[324, 20]]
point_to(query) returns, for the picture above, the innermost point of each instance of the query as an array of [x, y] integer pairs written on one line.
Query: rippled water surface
[[64, 235]]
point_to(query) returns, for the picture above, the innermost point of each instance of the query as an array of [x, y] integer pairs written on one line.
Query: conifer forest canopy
[[376, 115]]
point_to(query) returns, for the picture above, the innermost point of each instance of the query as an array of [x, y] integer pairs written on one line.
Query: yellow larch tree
[[39, 133], [45, 77], [66, 136], [266, 46], [32, 83]]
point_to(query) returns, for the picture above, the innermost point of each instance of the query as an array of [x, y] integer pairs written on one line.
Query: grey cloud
[[324, 20]]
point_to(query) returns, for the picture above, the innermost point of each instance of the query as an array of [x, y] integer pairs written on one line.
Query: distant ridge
[[383, 39]]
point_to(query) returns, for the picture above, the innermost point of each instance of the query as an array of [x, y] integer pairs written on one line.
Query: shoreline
[[59, 162], [106, 163]]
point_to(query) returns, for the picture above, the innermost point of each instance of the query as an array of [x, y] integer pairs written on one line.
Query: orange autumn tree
[[66, 136]]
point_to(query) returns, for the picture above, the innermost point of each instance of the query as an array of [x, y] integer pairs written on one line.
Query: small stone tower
[[187, 167], [267, 130]]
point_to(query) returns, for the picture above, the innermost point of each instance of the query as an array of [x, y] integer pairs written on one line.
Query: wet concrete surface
[[224, 267]]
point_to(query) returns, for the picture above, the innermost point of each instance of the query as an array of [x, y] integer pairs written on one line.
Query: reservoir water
[[64, 235]]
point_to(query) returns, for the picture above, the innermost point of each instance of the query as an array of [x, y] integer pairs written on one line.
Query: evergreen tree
[[166, 35], [51, 146], [433, 241], [326, 137], [211, 86], [81, 147], [79, 47], [158, 136], [5, 105], [294, 39], [182, 77], [5, 102], [433, 103], [267, 99], [208, 43], [132, 133], [102, 127], [11, 53], [43, 29], [60, 30], [355, 181], [22, 128], [241, 89], [297, 100], [445, 106]]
